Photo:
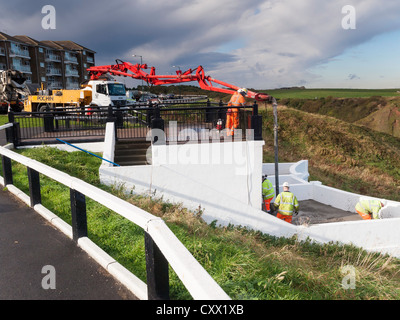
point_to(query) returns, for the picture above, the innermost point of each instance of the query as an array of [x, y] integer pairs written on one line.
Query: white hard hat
[[243, 90], [286, 184]]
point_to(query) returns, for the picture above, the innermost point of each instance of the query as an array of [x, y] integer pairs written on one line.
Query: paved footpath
[[35, 257]]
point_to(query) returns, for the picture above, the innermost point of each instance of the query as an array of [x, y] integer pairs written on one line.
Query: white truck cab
[[106, 93]]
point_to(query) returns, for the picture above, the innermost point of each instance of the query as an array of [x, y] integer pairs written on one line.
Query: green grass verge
[[246, 264]]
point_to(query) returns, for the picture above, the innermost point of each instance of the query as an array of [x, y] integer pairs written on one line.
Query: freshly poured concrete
[[313, 212]]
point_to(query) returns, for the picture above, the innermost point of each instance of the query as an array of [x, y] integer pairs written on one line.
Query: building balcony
[[2, 52], [90, 59], [3, 66], [53, 72], [71, 73], [52, 57], [54, 85], [72, 85], [68, 58], [20, 53], [22, 68]]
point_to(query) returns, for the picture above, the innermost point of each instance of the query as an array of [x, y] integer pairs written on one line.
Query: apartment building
[[56, 64]]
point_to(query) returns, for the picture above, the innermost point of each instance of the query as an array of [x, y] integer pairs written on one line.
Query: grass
[[245, 263], [335, 93], [342, 155]]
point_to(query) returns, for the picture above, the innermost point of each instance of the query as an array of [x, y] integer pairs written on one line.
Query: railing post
[[12, 133], [34, 187], [111, 118], [7, 170], [78, 211], [157, 271], [157, 123], [119, 118], [210, 115], [149, 114], [48, 120], [256, 123]]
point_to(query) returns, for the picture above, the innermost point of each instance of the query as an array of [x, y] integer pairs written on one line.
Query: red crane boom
[[136, 71]]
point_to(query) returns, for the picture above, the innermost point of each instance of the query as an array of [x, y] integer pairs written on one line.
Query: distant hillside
[[341, 154], [378, 113]]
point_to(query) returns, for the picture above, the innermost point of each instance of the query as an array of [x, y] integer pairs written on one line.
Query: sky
[[255, 43]]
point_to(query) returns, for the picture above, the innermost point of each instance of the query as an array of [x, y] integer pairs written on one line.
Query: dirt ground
[[312, 212]]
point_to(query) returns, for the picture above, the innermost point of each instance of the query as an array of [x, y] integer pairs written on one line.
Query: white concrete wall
[[226, 194], [372, 235], [215, 187], [232, 168]]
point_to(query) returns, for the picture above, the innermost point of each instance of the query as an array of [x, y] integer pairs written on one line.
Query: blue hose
[[88, 152]]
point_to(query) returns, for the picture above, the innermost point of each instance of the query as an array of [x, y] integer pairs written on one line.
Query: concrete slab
[[313, 212]]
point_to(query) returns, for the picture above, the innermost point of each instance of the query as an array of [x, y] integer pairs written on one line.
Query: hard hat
[[286, 184], [243, 90]]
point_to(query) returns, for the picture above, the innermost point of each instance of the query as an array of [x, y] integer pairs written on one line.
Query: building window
[[42, 64], [40, 50], [43, 79]]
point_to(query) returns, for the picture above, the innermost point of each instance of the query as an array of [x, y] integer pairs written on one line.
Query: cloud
[[353, 77], [259, 44]]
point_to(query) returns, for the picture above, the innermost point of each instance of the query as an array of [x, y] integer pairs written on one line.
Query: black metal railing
[[179, 123]]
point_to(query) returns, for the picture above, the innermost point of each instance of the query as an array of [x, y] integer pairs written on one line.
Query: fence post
[[256, 123], [12, 133], [10, 130], [34, 187], [157, 123], [119, 118], [111, 118], [7, 170], [78, 211], [48, 120], [157, 271], [209, 113]]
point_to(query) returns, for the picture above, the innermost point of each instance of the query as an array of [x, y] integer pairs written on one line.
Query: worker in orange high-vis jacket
[[232, 116]]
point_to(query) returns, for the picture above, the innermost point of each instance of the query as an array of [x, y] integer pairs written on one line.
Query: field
[[336, 93]]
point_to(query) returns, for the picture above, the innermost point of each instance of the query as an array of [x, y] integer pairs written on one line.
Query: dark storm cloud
[[264, 42]]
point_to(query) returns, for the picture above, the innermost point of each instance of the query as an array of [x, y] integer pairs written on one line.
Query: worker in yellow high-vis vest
[[268, 193], [287, 204], [369, 208]]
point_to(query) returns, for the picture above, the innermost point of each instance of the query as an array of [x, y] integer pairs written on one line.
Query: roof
[[30, 40], [4, 36], [52, 44], [59, 45], [71, 45]]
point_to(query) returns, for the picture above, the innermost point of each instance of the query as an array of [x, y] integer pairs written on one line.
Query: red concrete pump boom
[[127, 69]]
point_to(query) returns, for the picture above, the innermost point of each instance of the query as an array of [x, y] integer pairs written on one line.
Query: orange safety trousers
[[365, 216], [232, 120], [284, 217], [267, 204]]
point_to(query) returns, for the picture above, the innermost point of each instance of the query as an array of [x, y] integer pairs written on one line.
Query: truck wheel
[[43, 107]]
